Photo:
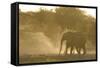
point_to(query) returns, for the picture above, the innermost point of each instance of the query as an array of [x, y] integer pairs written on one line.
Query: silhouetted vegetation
[[54, 23]]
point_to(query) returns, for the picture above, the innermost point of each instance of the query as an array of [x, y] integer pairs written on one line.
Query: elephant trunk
[[61, 44]]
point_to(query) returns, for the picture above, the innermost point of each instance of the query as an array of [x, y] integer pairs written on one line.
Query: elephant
[[75, 40]]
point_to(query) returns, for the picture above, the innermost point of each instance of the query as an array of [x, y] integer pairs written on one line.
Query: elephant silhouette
[[74, 40]]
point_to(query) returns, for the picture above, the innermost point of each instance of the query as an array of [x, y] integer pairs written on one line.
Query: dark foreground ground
[[61, 58]]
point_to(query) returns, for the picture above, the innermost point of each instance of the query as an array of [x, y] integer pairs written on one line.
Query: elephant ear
[[69, 35]]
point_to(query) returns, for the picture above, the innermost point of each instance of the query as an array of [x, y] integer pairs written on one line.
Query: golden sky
[[26, 8]]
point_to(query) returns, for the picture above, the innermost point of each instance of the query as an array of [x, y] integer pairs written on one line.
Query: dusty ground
[[61, 58]]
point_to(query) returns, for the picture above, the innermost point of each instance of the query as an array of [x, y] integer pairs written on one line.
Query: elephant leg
[[67, 50], [81, 50], [60, 49], [71, 50], [77, 49], [84, 51]]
